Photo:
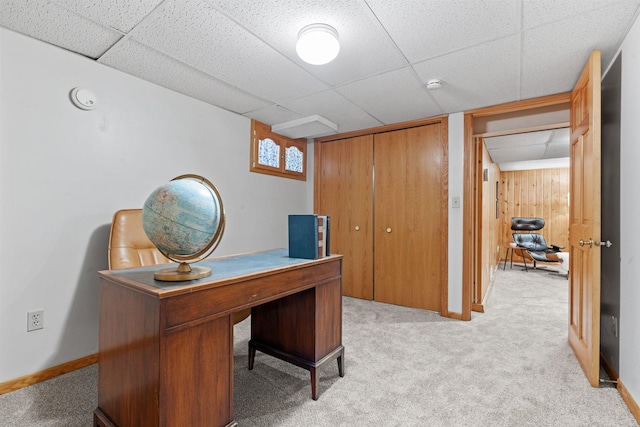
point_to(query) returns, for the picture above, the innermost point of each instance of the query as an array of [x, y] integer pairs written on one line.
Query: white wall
[[456, 189], [64, 172], [629, 207]]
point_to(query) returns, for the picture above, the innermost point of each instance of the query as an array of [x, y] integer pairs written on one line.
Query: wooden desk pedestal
[[166, 349]]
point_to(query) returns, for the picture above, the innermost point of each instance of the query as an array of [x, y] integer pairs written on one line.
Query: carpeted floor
[[510, 366]]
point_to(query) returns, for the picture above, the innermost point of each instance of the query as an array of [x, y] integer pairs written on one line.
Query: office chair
[[129, 247]]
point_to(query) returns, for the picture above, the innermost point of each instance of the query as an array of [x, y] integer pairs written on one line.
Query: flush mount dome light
[[318, 44]]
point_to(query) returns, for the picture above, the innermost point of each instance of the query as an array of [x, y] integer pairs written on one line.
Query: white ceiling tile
[[548, 67], [195, 33], [428, 28], [273, 114], [517, 140], [44, 20], [483, 75], [391, 97], [122, 15], [365, 47], [139, 60], [541, 12], [557, 149], [334, 107], [517, 154]]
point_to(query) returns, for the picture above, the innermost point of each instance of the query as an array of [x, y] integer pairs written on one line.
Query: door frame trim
[[472, 166]]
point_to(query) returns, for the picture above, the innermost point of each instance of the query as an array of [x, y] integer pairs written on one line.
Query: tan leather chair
[[129, 247]]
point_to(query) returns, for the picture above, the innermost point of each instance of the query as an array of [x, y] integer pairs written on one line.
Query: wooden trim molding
[[46, 374], [524, 130], [468, 248], [452, 315], [628, 399], [386, 128], [526, 104]]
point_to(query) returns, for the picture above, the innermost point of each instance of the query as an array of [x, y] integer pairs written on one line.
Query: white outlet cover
[[83, 98]]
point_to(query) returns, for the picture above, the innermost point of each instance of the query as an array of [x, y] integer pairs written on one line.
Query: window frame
[[261, 131]]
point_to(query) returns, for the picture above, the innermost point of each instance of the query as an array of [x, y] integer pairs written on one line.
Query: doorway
[[482, 253]]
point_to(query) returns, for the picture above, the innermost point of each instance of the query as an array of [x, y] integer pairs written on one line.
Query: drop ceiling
[[539, 146], [240, 54]]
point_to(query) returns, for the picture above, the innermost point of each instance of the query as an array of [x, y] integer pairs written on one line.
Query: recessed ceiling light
[[318, 44]]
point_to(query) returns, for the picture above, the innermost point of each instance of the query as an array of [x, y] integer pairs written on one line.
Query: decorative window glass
[[277, 155], [293, 159], [269, 153]]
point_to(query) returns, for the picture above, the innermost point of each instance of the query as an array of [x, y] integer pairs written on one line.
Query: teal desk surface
[[221, 268]]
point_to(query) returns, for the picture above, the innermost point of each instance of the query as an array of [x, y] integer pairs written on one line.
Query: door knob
[[588, 242], [357, 227], [388, 229], [607, 243]]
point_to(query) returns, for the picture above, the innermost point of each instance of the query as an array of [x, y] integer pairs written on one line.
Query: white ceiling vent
[[306, 127]]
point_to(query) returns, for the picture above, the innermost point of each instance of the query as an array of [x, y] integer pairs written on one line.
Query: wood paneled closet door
[[346, 194], [410, 172]]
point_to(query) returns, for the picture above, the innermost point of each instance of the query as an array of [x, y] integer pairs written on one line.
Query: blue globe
[[183, 217]]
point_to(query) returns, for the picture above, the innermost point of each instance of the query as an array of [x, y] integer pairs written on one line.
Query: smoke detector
[[434, 84]]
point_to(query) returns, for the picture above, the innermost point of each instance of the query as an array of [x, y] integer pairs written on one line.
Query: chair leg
[[506, 256]]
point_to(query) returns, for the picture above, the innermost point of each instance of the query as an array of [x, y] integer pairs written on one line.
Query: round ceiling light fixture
[[318, 44]]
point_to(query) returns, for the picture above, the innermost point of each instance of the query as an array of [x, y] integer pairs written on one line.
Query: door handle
[[607, 243], [588, 242]]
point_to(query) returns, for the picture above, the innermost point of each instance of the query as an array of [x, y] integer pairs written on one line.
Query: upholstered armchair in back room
[[129, 247]]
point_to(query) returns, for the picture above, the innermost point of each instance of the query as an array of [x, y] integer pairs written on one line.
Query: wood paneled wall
[[541, 193], [490, 245]]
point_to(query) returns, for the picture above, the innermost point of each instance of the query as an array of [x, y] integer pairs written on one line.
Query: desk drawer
[[225, 299]]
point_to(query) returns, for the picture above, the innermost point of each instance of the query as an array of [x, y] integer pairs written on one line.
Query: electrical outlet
[[35, 320]]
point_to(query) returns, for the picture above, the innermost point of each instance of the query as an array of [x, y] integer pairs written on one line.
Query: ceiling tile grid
[[49, 22], [479, 76], [549, 67], [429, 28], [392, 97], [536, 13], [121, 15], [336, 108], [141, 61], [198, 35], [365, 47]]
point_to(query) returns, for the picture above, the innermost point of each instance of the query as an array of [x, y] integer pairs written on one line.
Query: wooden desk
[[166, 348]]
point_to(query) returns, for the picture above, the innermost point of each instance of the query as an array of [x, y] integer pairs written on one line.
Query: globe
[[185, 220]]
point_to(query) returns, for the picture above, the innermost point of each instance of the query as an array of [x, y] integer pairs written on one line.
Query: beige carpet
[[511, 366]]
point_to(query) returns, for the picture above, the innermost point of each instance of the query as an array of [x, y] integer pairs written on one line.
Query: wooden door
[[410, 175], [584, 220], [346, 195]]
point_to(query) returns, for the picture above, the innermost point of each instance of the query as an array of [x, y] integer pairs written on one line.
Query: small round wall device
[[83, 98]]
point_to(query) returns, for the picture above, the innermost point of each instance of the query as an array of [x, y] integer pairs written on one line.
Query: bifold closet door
[[409, 176], [346, 195]]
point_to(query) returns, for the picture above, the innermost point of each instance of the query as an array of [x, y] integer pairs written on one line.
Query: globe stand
[[182, 272]]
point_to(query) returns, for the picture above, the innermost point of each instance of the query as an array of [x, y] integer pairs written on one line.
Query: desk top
[[223, 269]]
